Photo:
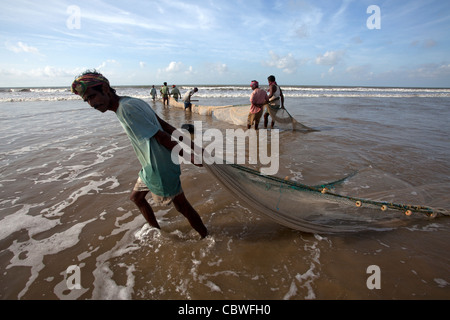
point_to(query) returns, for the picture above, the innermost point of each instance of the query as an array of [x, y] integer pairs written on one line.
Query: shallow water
[[67, 172]]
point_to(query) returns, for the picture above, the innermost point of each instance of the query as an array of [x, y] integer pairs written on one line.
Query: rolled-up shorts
[[254, 117], [159, 200]]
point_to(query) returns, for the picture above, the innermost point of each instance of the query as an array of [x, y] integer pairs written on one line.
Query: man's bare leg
[[185, 208], [138, 197]]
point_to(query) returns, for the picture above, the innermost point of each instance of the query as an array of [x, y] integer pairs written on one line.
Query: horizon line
[[238, 85]]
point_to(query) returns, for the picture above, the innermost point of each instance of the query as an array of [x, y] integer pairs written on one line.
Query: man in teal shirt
[[150, 137]]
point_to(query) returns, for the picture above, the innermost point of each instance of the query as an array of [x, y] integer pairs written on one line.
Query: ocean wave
[[64, 94]]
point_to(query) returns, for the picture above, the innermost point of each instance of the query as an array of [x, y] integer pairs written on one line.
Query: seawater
[[67, 172]]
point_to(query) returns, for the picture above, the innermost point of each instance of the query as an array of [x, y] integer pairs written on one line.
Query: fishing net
[[284, 120], [237, 115], [313, 209]]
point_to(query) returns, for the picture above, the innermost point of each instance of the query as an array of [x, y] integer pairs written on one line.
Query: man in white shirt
[[187, 99]]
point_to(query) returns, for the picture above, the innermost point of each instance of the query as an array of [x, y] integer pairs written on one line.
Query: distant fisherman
[[165, 93], [276, 100], [151, 139], [187, 99], [258, 99], [153, 93], [175, 93]]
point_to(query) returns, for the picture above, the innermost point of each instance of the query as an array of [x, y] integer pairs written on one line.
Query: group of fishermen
[[260, 100], [175, 93]]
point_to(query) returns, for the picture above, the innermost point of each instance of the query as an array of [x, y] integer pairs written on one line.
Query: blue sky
[[301, 42]]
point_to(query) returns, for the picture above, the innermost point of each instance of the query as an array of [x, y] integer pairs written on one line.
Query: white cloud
[[176, 67], [307, 18], [359, 72], [51, 72], [37, 73], [330, 72], [330, 58], [217, 68], [287, 63], [427, 75], [142, 64], [431, 71], [221, 68], [106, 63], [21, 47]]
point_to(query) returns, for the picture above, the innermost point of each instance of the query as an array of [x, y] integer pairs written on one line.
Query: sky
[[393, 43]]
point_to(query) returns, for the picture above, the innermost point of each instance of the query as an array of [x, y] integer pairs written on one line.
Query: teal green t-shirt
[[159, 172]]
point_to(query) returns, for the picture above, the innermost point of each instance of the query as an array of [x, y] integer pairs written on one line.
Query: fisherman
[[187, 99], [153, 93], [276, 100], [258, 99], [150, 137], [165, 92], [175, 93]]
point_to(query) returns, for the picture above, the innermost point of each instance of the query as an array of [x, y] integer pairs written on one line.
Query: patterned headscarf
[[88, 80]]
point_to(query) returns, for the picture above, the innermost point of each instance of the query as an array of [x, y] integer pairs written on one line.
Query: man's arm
[[252, 97], [165, 138], [166, 126]]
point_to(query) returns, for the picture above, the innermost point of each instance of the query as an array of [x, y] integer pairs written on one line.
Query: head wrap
[[88, 80], [254, 84]]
